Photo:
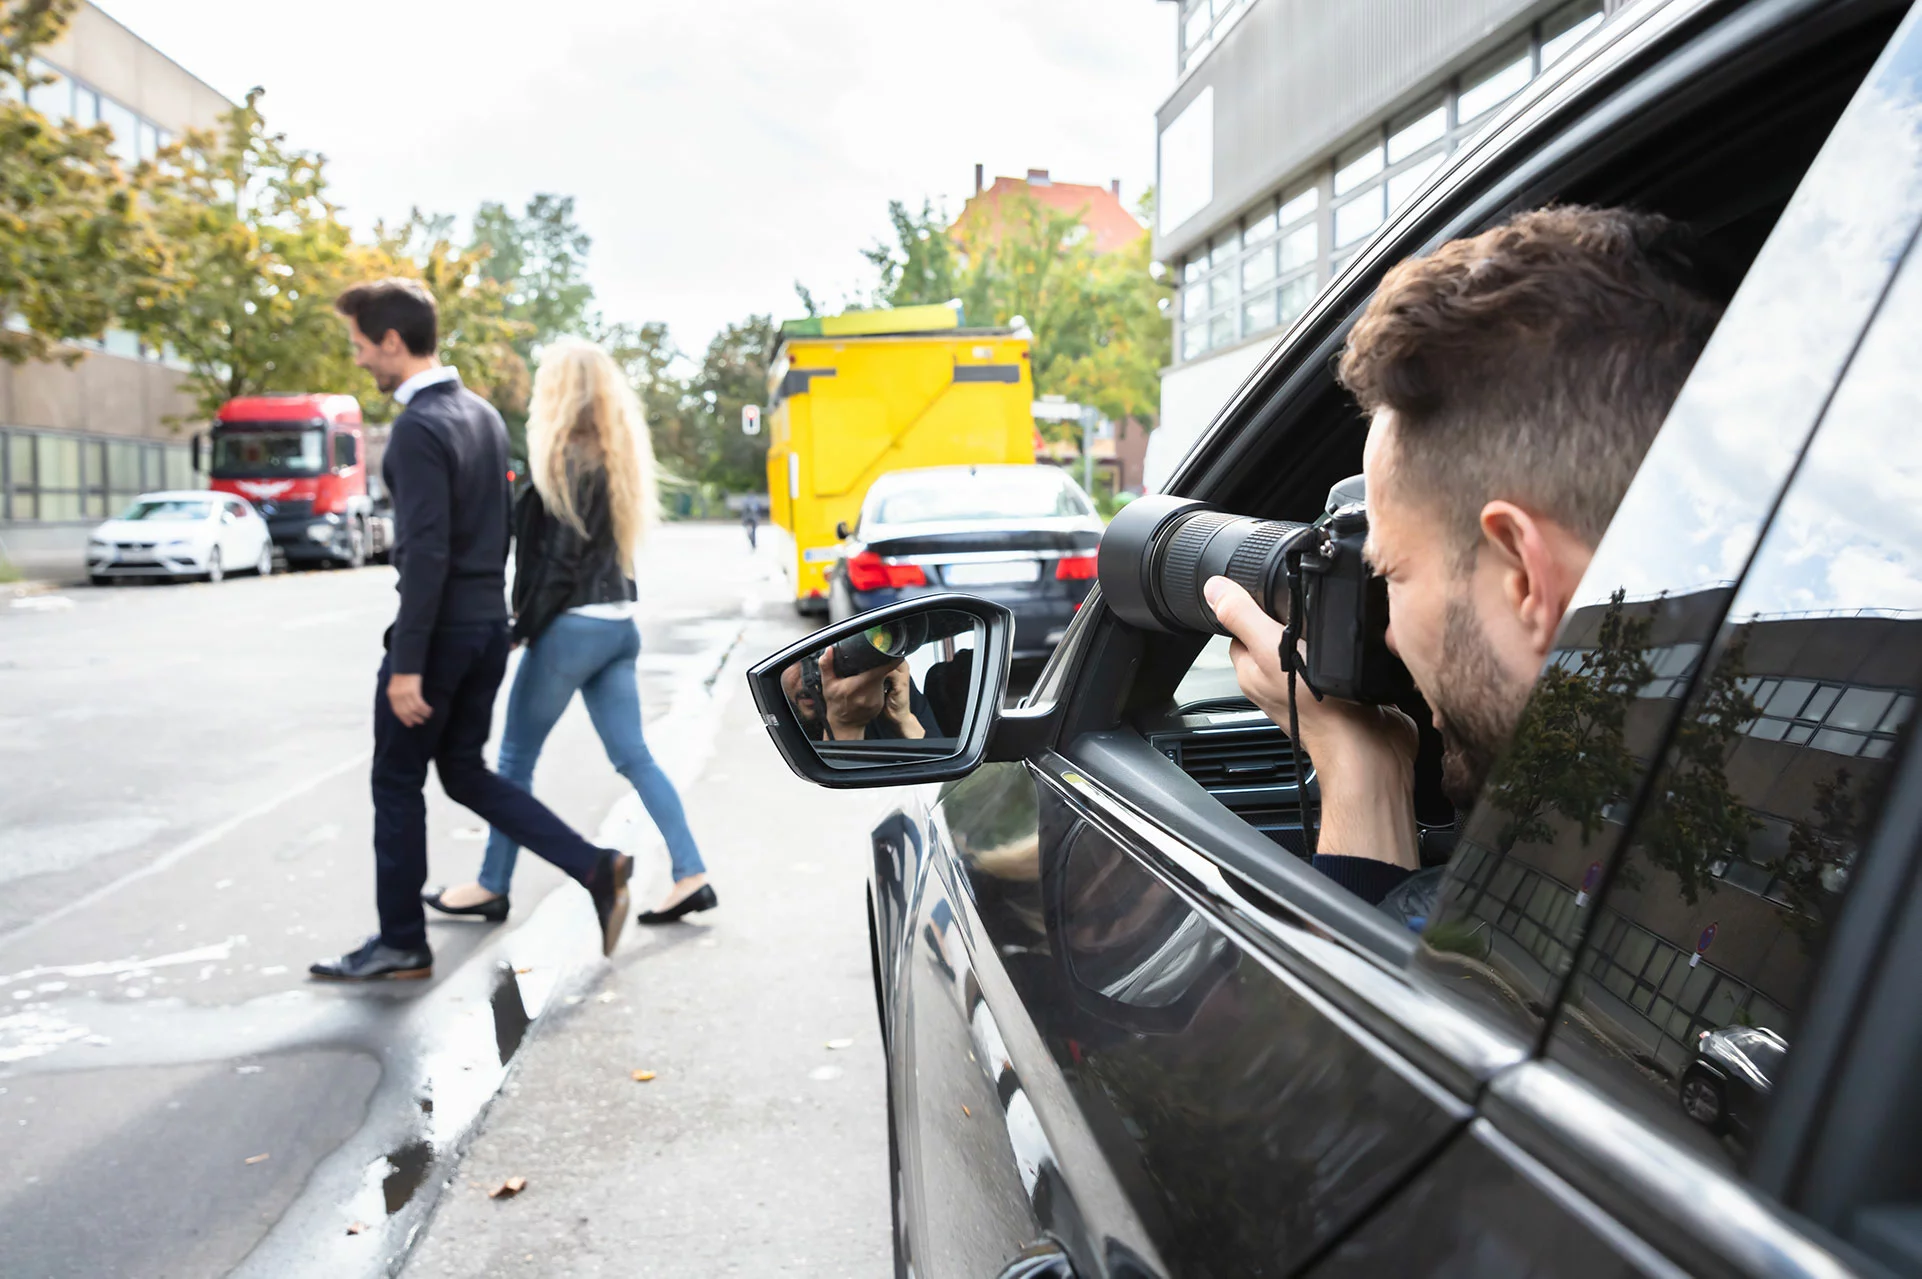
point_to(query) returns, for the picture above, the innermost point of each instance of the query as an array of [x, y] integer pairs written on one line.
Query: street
[[186, 826]]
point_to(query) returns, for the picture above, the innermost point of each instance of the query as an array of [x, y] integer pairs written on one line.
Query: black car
[[1023, 536], [1726, 1088], [1130, 1033]]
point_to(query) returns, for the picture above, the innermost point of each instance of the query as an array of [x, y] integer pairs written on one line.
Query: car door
[[1766, 729]]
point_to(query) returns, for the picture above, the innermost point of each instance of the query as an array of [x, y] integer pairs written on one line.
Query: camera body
[[1160, 550]]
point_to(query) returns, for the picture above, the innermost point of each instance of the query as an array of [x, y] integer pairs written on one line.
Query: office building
[[1295, 127], [76, 442]]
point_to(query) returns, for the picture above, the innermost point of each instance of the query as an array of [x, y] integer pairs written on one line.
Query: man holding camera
[[1513, 382]]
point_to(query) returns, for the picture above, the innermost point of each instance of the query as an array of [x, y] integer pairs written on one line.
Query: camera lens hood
[[1124, 560]]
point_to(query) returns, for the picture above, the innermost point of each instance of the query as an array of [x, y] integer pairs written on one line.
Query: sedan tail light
[[866, 572], [1074, 568]]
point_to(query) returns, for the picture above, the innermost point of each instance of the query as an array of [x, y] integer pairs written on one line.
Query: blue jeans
[[596, 656]]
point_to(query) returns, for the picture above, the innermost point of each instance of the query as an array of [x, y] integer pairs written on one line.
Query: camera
[[879, 645], [1159, 551]]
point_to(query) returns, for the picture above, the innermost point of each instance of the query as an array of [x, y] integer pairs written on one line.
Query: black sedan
[[1128, 1033], [1022, 536]]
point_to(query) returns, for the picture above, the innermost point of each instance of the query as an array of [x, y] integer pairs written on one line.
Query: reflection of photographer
[[878, 702], [1513, 382]]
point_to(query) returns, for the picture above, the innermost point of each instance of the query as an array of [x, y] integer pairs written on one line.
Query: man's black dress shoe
[[376, 961], [702, 898], [494, 910], [608, 887]]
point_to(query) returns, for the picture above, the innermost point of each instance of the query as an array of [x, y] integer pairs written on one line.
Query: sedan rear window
[[1004, 495], [178, 510]]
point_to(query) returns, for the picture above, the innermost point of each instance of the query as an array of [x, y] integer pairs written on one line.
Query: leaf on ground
[[840, 1043], [508, 1189], [523, 970], [967, 1112], [254, 1159], [642, 1076]]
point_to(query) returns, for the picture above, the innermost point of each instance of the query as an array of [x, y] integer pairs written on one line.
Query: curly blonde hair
[[584, 415]]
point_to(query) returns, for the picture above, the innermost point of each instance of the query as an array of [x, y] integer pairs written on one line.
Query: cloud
[[718, 151]]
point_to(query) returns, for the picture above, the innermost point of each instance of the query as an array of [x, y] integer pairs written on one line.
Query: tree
[[733, 374], [77, 249], [539, 260], [258, 255], [1100, 333]]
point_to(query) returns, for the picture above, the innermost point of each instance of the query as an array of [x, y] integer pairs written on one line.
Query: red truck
[[302, 460]]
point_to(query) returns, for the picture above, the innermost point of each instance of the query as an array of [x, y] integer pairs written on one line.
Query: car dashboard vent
[[1233, 758]]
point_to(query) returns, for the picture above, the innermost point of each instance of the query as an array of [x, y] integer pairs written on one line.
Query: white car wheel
[[264, 566], [215, 573]]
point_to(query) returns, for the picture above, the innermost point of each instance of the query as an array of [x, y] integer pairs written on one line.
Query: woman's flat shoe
[[702, 898], [493, 910]]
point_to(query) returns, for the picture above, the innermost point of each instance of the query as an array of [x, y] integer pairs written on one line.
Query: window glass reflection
[[1494, 82], [1357, 165], [1410, 136], [1567, 28], [1298, 206], [1411, 180], [1359, 217]]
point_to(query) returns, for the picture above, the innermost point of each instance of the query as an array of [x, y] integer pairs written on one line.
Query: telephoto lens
[[1159, 550], [879, 645]]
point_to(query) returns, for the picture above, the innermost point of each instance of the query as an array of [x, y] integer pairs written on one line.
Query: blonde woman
[[576, 530]]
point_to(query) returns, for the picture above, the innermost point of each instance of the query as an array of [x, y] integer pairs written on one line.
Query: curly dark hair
[[1533, 362]]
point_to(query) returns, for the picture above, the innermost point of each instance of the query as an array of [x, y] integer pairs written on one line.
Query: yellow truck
[[854, 396]]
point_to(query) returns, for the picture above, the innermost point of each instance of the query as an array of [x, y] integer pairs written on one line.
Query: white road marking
[[181, 852]]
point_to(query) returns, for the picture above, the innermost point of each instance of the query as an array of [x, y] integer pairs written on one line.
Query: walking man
[[446, 470]]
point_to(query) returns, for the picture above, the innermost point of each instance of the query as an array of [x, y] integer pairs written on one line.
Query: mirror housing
[[984, 698]]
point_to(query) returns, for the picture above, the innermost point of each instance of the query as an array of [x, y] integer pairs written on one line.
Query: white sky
[[718, 149]]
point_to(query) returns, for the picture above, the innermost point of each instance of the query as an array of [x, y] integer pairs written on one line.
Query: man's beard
[[387, 382], [1476, 705]]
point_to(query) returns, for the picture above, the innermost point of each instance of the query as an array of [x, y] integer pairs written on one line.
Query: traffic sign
[[750, 419]]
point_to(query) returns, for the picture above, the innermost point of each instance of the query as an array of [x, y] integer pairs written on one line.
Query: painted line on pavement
[[181, 852]]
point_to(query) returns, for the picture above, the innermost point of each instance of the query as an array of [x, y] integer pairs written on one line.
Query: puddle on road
[[510, 1014], [406, 1170]]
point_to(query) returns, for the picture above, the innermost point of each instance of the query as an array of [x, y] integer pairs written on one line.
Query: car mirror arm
[[1021, 731]]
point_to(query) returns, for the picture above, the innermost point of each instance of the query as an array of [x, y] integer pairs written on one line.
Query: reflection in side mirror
[[901, 694]]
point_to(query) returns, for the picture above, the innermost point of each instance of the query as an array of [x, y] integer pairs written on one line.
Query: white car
[[188, 533]]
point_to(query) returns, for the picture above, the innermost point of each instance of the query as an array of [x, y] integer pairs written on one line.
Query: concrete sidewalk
[[760, 1145]]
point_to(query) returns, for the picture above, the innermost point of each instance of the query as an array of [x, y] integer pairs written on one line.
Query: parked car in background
[[1022, 536], [1726, 1088], [1129, 1032], [181, 534]]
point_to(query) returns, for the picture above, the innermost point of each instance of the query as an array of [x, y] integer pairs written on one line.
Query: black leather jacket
[[555, 567]]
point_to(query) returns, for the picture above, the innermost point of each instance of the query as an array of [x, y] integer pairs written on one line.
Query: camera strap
[[1291, 662]]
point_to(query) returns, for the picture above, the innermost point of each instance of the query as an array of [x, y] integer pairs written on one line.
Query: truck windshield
[[245, 451]]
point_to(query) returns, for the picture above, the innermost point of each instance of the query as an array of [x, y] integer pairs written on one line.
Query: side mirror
[[900, 695], [199, 454], [841, 530]]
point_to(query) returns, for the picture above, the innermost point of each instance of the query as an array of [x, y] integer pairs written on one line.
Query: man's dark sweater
[[446, 467]]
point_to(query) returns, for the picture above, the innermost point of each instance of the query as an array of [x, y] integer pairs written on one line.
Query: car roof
[[181, 495], [929, 472]]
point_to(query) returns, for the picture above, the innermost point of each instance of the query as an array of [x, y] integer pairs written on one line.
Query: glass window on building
[[1299, 205], [1566, 28], [126, 130], [1194, 29], [1419, 129], [1257, 314], [1357, 165], [1411, 179], [1300, 247], [1358, 217], [180, 468], [1194, 341], [1494, 81], [1194, 268], [1294, 298], [57, 462], [149, 140], [1258, 268], [123, 473], [53, 96], [1259, 225], [1194, 302], [20, 478]]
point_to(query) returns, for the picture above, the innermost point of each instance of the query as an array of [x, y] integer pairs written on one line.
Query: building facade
[[77, 441], [1294, 129]]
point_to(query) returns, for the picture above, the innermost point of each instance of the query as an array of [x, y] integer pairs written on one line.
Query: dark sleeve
[[423, 515], [554, 572], [1365, 877]]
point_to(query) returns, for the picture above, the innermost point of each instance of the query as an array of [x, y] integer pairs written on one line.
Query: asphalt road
[[184, 825]]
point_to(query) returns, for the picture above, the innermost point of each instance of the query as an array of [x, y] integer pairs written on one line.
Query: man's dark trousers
[[463, 672]]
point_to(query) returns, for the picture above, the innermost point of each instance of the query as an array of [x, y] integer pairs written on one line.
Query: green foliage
[[1697, 820], [1100, 334], [1822, 851], [77, 249], [258, 257], [539, 260], [695, 420], [1568, 755]]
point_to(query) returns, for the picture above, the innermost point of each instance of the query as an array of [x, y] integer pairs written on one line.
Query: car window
[[169, 509], [1037, 493], [1520, 890], [1712, 927]]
